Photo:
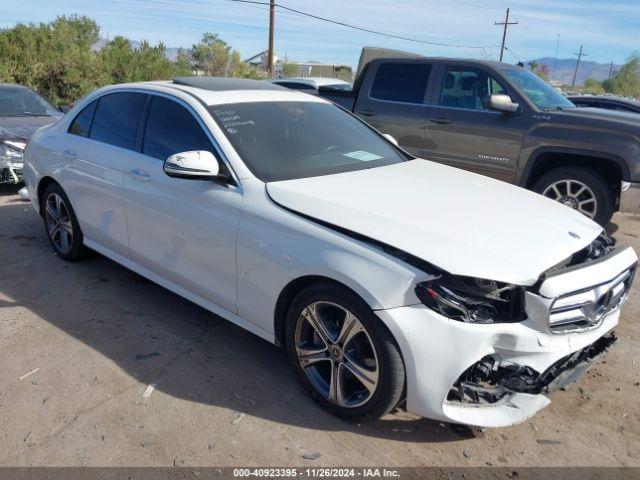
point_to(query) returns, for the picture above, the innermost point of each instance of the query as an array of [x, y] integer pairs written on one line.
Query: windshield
[[543, 95], [286, 140], [18, 102]]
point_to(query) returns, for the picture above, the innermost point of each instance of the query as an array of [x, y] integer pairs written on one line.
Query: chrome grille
[[586, 308]]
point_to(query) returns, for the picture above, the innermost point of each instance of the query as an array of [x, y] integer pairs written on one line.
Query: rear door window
[[82, 123], [401, 82], [170, 129], [116, 119]]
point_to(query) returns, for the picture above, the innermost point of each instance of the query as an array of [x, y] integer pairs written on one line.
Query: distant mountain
[[564, 68]]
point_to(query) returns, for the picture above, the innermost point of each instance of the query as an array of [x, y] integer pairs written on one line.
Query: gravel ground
[[81, 343]]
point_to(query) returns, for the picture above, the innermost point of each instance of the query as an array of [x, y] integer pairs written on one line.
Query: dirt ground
[[80, 343]]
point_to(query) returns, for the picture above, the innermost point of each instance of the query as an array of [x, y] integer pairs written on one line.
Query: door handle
[[368, 113], [69, 154], [139, 175], [441, 121]]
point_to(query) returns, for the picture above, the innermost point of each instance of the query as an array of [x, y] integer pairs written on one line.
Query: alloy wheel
[[574, 194], [59, 225], [336, 354]]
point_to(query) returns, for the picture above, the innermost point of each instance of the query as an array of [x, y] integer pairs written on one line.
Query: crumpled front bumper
[[437, 350], [11, 171]]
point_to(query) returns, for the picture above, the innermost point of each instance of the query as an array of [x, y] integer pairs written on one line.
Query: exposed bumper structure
[[532, 355], [10, 171], [630, 197]]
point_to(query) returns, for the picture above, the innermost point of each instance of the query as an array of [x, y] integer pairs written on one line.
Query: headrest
[[467, 83], [449, 81]]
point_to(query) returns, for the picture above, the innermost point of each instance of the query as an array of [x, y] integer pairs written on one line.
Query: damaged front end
[[11, 160], [492, 380], [539, 339]]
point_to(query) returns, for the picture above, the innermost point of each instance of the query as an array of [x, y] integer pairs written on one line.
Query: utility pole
[[506, 24], [610, 70], [555, 60], [272, 13], [575, 73]]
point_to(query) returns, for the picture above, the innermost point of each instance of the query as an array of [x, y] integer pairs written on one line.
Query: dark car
[[502, 121], [22, 112], [609, 102]]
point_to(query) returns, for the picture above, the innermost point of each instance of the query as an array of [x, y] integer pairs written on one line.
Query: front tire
[[579, 188], [344, 356], [61, 224]]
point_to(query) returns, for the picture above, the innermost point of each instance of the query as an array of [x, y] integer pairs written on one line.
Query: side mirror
[[196, 165], [391, 138], [501, 103]]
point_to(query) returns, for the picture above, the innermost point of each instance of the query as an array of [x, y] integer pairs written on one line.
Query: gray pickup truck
[[502, 121]]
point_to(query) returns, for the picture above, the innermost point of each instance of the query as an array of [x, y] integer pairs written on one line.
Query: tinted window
[[617, 106], [401, 82], [284, 140], [468, 88], [82, 123], [584, 103], [170, 129], [116, 119]]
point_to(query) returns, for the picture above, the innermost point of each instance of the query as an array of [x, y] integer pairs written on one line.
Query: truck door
[[461, 132], [392, 100]]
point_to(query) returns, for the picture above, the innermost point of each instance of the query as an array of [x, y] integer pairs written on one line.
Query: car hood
[[599, 115], [21, 128], [464, 223]]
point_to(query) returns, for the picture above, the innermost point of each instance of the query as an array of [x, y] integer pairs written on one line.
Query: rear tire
[[353, 367], [61, 224], [579, 188]]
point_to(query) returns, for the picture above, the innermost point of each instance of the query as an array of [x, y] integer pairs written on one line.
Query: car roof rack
[[224, 84]]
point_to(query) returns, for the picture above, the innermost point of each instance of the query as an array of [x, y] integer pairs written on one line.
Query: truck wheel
[[579, 188]]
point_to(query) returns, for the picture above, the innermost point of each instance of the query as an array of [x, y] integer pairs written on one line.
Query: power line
[[362, 29], [513, 52], [506, 24]]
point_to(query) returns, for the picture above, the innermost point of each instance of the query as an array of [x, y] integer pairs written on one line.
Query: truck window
[[401, 82], [467, 89]]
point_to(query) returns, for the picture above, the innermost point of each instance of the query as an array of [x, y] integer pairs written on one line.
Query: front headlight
[[472, 300]]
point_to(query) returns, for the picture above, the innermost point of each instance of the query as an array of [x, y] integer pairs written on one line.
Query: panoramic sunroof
[[222, 84]]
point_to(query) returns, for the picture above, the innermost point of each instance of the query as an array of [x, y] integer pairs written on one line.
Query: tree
[[53, 58], [591, 85], [627, 80], [533, 65], [121, 62], [543, 72], [62, 59], [290, 70], [214, 57]]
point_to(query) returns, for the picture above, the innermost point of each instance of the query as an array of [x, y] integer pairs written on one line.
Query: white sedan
[[391, 281]]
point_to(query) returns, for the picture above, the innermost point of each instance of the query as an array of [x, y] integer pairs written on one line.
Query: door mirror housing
[[501, 103], [195, 165], [391, 138]]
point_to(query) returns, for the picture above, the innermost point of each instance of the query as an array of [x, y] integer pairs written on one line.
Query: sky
[[609, 29]]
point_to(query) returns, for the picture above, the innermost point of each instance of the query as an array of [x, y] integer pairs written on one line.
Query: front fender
[[276, 247]]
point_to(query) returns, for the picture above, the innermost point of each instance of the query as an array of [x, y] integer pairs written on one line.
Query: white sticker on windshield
[[362, 155]]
